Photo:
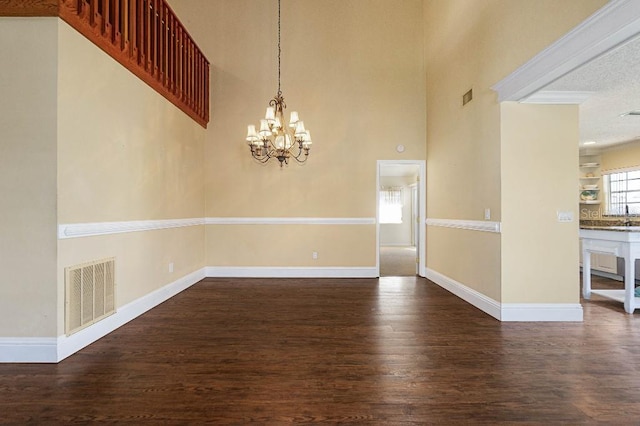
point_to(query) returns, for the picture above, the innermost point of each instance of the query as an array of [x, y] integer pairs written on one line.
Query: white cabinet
[[604, 262]]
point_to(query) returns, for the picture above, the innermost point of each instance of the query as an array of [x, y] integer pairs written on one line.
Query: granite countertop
[[611, 224], [612, 228]]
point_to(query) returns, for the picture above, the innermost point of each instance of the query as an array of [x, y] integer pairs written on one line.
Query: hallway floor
[[397, 261]]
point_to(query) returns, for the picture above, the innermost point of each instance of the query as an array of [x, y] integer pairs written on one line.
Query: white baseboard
[[290, 272], [28, 349], [52, 350], [477, 299], [508, 312], [548, 312]]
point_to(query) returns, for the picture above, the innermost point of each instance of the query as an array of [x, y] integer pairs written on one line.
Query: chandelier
[[277, 138]]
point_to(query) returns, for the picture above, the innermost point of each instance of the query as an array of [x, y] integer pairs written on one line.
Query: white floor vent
[[90, 293]]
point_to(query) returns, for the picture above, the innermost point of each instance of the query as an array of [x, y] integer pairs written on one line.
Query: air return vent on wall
[[89, 293]]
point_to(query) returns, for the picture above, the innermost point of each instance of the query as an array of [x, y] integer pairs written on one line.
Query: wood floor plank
[[360, 351]]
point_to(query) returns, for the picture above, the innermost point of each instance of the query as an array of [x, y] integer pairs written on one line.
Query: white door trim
[[422, 195]]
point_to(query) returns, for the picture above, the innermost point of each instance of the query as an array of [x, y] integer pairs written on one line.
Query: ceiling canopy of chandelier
[[276, 138]]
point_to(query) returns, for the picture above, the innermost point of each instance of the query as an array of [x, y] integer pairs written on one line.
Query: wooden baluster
[[196, 105], [133, 31], [199, 85], [160, 42], [83, 10], [154, 36], [205, 77], [206, 91], [192, 61], [185, 68], [183, 63], [176, 56], [174, 80], [188, 72], [93, 12], [180, 54], [192, 78], [117, 19], [203, 64], [170, 44], [202, 78], [106, 15], [142, 56], [165, 46], [147, 35]]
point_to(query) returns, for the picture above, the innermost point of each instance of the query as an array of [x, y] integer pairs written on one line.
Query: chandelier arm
[[262, 159], [298, 160]]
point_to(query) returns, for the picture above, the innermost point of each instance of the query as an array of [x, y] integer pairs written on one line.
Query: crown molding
[[612, 25], [557, 97]]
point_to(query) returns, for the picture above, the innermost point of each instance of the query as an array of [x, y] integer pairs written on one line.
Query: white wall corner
[[542, 312], [510, 312], [475, 298]]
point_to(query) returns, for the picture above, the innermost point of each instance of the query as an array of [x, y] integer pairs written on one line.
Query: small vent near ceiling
[[467, 97], [89, 293], [632, 113]]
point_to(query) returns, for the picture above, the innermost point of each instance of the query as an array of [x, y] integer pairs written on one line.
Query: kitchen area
[[610, 221], [607, 90]]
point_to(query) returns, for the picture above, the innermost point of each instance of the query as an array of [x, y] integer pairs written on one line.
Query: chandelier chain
[[279, 50]]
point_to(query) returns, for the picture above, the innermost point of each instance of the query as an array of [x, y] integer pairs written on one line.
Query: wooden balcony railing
[[143, 35]]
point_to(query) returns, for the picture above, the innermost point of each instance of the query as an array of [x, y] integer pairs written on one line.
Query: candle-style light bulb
[[294, 119], [270, 115]]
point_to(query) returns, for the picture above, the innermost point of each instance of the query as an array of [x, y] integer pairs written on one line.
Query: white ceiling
[[399, 170], [614, 80]]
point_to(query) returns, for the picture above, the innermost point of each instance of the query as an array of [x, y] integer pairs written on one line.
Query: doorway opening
[[401, 214]]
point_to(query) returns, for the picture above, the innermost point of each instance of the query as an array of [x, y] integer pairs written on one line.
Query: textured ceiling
[[614, 79]]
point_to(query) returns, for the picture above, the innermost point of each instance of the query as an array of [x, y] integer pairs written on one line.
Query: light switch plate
[[565, 216]]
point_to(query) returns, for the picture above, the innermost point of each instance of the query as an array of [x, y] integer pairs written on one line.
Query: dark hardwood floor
[[392, 351]]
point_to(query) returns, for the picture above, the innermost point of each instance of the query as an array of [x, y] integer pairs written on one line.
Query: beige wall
[[540, 157], [620, 157], [125, 154], [28, 176], [354, 71], [292, 245], [83, 140], [473, 45]]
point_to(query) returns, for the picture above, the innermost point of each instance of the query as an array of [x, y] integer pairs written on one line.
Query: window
[[391, 205], [622, 191]]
